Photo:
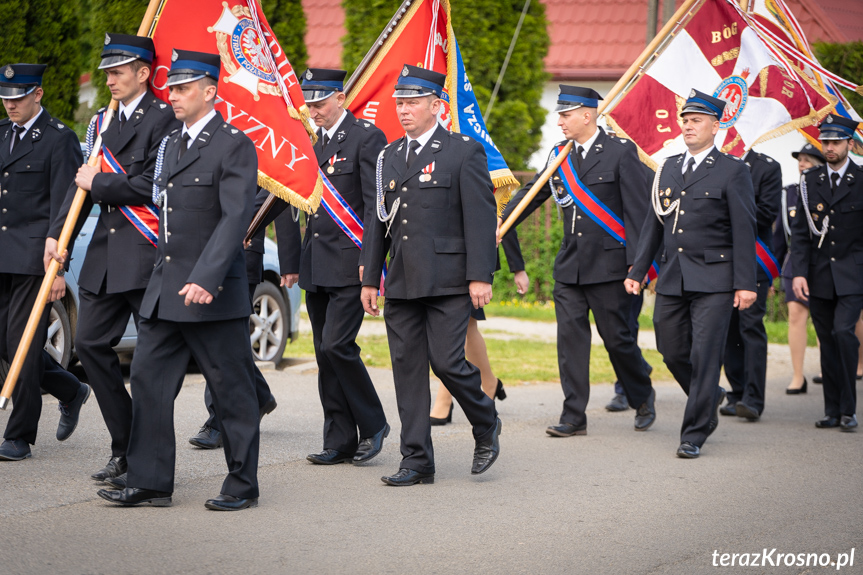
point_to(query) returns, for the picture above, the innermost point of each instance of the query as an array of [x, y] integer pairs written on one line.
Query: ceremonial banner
[[423, 36], [776, 20], [715, 50], [258, 90]]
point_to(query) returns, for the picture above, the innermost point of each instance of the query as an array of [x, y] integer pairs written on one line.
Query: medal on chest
[[426, 175], [332, 161]]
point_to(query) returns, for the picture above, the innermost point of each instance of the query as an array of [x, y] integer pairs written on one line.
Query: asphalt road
[[614, 501]]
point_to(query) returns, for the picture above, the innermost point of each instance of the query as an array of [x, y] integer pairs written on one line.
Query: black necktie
[[19, 130], [834, 180], [324, 141], [690, 167], [579, 152], [412, 152], [185, 145], [122, 120]]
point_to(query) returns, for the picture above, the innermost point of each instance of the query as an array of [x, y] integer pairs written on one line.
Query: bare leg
[[476, 353], [797, 315], [858, 331]]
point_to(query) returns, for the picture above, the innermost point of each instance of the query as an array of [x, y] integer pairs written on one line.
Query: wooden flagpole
[[612, 94], [63, 242], [261, 215]]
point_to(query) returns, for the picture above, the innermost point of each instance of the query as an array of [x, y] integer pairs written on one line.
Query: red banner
[[258, 89]]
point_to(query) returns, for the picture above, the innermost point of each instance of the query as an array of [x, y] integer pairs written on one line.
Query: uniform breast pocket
[[598, 178], [342, 168], [715, 256], [30, 176], [435, 192], [707, 194], [197, 195], [135, 157]]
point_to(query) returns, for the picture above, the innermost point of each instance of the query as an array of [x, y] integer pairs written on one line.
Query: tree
[[484, 29], [288, 21], [846, 60], [46, 32]]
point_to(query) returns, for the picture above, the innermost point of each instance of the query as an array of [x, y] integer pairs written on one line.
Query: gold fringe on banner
[[308, 205]]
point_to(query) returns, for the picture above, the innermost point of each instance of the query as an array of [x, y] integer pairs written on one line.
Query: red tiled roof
[[325, 26], [590, 40]]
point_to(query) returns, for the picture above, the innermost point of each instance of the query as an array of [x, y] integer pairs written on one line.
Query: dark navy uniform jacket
[[33, 184], [329, 258], [210, 198], [767, 185], [836, 268], [118, 253], [443, 236], [712, 249], [588, 254]]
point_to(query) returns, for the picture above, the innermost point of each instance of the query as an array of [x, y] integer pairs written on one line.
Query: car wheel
[[268, 324], [59, 341]]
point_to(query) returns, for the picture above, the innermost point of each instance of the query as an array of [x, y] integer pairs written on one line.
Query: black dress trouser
[[17, 295], [834, 321], [432, 330], [746, 352]]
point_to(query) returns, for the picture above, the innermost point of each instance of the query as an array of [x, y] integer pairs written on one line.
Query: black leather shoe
[[69, 413], [371, 446], [746, 412], [728, 409], [819, 379], [797, 390], [115, 466], [269, 406], [688, 451], [330, 457], [827, 422], [134, 496], [618, 403], [848, 423], [407, 477], [230, 503], [14, 450], [444, 421], [499, 393], [566, 430], [485, 453], [207, 438], [646, 413], [714, 419], [118, 482]]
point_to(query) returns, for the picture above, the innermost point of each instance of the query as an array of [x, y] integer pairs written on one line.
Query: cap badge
[[829, 119], [405, 71], [692, 93], [174, 55], [309, 75], [9, 72], [107, 39]]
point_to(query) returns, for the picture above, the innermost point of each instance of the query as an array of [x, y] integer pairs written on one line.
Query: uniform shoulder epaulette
[[562, 143], [57, 124], [365, 124], [391, 143], [174, 131], [230, 130], [102, 109], [157, 103], [812, 169], [5, 121], [732, 157]]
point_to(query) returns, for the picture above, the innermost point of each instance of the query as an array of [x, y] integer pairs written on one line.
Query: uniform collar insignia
[[599, 146], [822, 176], [435, 144], [340, 135], [163, 106], [206, 133], [139, 111]]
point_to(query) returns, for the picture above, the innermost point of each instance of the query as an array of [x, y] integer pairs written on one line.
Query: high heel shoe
[[444, 421], [499, 393], [797, 390]]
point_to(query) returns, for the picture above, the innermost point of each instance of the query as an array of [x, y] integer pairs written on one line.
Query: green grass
[[516, 360], [521, 310]]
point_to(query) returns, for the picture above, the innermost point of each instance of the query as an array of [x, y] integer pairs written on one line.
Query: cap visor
[[183, 78], [317, 95], [698, 110], [116, 60], [15, 92], [567, 107]]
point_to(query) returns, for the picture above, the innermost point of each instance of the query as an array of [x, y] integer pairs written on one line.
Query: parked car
[[274, 321]]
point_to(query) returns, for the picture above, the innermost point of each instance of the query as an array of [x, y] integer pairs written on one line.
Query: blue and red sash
[[590, 204], [766, 260], [652, 272], [345, 217], [145, 218]]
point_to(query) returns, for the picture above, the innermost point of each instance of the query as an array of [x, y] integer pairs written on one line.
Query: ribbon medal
[[426, 175]]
